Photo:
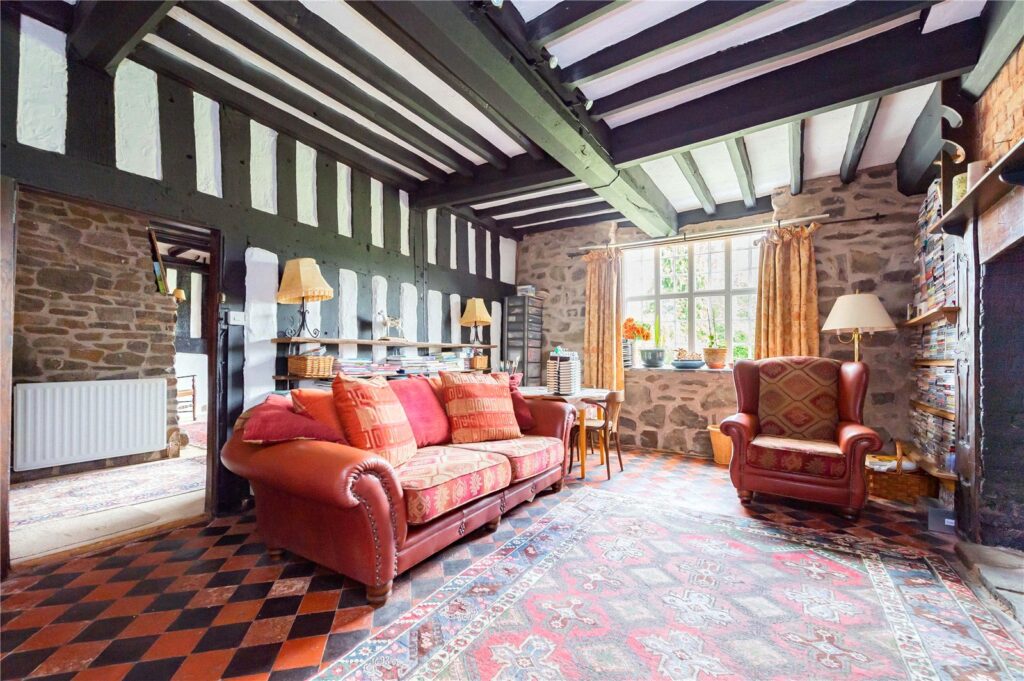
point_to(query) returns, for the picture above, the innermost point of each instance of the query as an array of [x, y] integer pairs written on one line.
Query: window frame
[[691, 295]]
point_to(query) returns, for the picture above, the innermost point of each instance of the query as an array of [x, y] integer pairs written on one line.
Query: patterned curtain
[[602, 333], [787, 294]]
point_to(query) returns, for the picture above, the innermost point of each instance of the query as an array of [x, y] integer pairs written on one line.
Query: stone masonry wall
[[670, 410], [999, 114], [86, 306]]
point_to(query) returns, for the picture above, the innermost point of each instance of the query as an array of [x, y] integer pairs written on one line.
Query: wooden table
[[576, 400]]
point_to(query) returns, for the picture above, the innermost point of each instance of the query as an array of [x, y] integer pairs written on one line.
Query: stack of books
[[936, 341], [427, 364], [935, 437], [935, 281], [565, 374], [936, 386]]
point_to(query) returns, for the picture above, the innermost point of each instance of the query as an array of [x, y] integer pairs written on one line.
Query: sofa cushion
[[524, 417], [424, 410], [799, 397], [793, 455], [318, 405], [479, 407], [439, 479], [373, 418], [274, 421], [528, 455]]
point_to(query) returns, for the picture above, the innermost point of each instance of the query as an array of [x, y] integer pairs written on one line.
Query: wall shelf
[[945, 313], [934, 411], [982, 196], [298, 340], [935, 362], [924, 463]]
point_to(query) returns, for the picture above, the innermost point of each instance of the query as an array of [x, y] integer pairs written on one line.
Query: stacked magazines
[[427, 364]]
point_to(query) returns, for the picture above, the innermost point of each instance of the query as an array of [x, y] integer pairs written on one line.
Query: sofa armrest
[[741, 427], [551, 418], [856, 441]]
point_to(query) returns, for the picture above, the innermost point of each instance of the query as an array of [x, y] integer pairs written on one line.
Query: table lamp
[[857, 314], [476, 317], [302, 283]]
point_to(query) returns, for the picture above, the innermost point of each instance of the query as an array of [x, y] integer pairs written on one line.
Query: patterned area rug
[[614, 587], [71, 496], [196, 433]]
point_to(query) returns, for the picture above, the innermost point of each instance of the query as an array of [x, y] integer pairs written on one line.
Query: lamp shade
[[858, 312], [302, 281], [476, 313]]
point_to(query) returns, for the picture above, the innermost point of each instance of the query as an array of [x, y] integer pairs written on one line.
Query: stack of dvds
[[936, 386], [935, 280], [564, 374], [934, 436]]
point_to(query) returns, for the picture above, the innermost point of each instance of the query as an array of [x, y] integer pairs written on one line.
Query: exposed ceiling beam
[[1004, 31], [324, 37], [556, 214], [467, 41], [572, 222], [522, 176], [539, 202], [566, 17], [191, 42], [726, 211], [54, 13], [106, 32], [375, 13], [257, 109], [705, 18], [469, 215], [796, 156], [741, 166], [915, 166], [311, 72], [688, 166], [832, 26], [863, 118], [871, 68]]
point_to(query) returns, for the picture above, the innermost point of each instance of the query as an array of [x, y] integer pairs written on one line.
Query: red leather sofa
[[800, 431], [351, 511]]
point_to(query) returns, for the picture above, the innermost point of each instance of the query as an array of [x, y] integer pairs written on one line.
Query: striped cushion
[[373, 418], [439, 479], [479, 407]]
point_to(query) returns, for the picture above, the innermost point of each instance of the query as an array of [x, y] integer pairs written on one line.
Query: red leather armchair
[[799, 432]]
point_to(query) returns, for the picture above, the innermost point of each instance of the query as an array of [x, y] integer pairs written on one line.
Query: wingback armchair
[[799, 432]]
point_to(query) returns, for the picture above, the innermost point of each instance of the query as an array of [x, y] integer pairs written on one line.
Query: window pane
[[744, 308], [744, 261], [674, 268], [710, 320], [709, 265], [638, 269], [674, 326], [643, 312]]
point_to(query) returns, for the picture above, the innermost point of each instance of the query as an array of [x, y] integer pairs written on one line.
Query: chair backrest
[[612, 407], [798, 397]]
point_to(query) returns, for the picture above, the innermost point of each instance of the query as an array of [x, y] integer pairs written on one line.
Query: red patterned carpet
[[207, 602]]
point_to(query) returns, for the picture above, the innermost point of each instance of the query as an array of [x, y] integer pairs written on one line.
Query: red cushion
[[274, 421], [424, 410], [318, 405], [524, 417]]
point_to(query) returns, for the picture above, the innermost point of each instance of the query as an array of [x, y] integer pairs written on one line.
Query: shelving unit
[[924, 463], [982, 196], [523, 328], [935, 362], [934, 411], [945, 313]]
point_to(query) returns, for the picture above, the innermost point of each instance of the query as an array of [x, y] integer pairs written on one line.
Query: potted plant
[[633, 331], [714, 351]]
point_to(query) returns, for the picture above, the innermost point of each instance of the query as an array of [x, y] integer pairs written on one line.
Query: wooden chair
[[601, 431]]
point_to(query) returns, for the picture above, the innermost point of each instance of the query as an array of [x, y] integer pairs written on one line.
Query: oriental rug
[[607, 586]]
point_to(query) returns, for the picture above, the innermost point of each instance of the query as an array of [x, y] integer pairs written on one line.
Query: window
[[685, 291]]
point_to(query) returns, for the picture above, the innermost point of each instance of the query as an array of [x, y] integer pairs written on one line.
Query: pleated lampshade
[[475, 313], [302, 281]]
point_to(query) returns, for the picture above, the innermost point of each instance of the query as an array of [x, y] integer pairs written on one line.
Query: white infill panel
[[403, 212], [455, 309], [376, 213], [379, 298], [453, 244], [206, 123], [263, 167], [507, 260], [258, 368], [435, 317], [42, 118], [488, 268], [344, 200], [137, 120], [348, 313], [471, 248], [305, 184], [409, 300], [432, 236]]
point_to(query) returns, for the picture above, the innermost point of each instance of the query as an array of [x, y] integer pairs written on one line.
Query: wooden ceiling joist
[[539, 202], [795, 130], [836, 25], [863, 118], [556, 214], [104, 33], [522, 176], [54, 13], [572, 222], [688, 167], [1004, 31], [215, 88], [726, 211], [324, 37], [705, 18], [741, 166], [915, 166], [889, 62], [566, 17]]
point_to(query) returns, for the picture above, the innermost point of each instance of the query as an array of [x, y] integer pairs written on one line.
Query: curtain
[[602, 332], [787, 294]]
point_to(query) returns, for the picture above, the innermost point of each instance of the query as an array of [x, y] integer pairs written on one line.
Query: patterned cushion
[[438, 479], [479, 407], [529, 455], [793, 455], [799, 397], [373, 418]]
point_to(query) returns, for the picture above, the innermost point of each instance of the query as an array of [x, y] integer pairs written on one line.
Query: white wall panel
[[379, 302], [409, 301], [769, 158], [376, 213], [896, 115], [435, 317], [471, 248], [263, 167], [453, 242], [432, 236], [137, 120], [455, 310], [258, 367], [403, 213], [507, 259], [716, 169], [825, 138], [672, 183], [344, 200], [305, 184], [489, 269], [348, 314], [206, 124], [42, 118]]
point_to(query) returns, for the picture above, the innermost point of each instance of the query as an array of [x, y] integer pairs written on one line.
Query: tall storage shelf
[[523, 325], [933, 320]]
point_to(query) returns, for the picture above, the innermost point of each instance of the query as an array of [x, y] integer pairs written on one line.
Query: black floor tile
[[252, 660], [195, 618], [224, 636], [104, 630], [125, 650]]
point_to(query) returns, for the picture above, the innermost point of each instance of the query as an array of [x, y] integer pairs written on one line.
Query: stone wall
[[999, 114], [86, 306], [669, 410]]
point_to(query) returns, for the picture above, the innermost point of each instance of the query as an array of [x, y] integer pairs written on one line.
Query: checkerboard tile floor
[[207, 602]]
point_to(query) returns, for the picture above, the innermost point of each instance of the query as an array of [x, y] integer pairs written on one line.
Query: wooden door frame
[[8, 202]]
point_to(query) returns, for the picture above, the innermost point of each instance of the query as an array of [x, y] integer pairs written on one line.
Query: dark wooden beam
[[915, 166], [808, 35], [741, 166], [573, 222], [726, 211], [467, 41], [361, 62], [796, 156], [871, 68], [375, 13], [705, 18], [105, 32], [54, 13], [486, 222], [257, 109], [688, 167], [566, 17], [1004, 31], [535, 203], [556, 214], [860, 128], [522, 176]]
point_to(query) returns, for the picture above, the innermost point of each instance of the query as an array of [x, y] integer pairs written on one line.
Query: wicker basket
[[900, 486], [311, 366]]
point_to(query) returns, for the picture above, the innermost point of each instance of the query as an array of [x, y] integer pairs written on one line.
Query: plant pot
[[715, 357], [653, 357], [721, 445]]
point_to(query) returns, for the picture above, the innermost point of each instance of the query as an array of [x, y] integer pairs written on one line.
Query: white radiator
[[62, 423]]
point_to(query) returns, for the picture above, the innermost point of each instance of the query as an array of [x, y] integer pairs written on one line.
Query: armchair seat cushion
[[439, 479], [820, 458], [528, 455]]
